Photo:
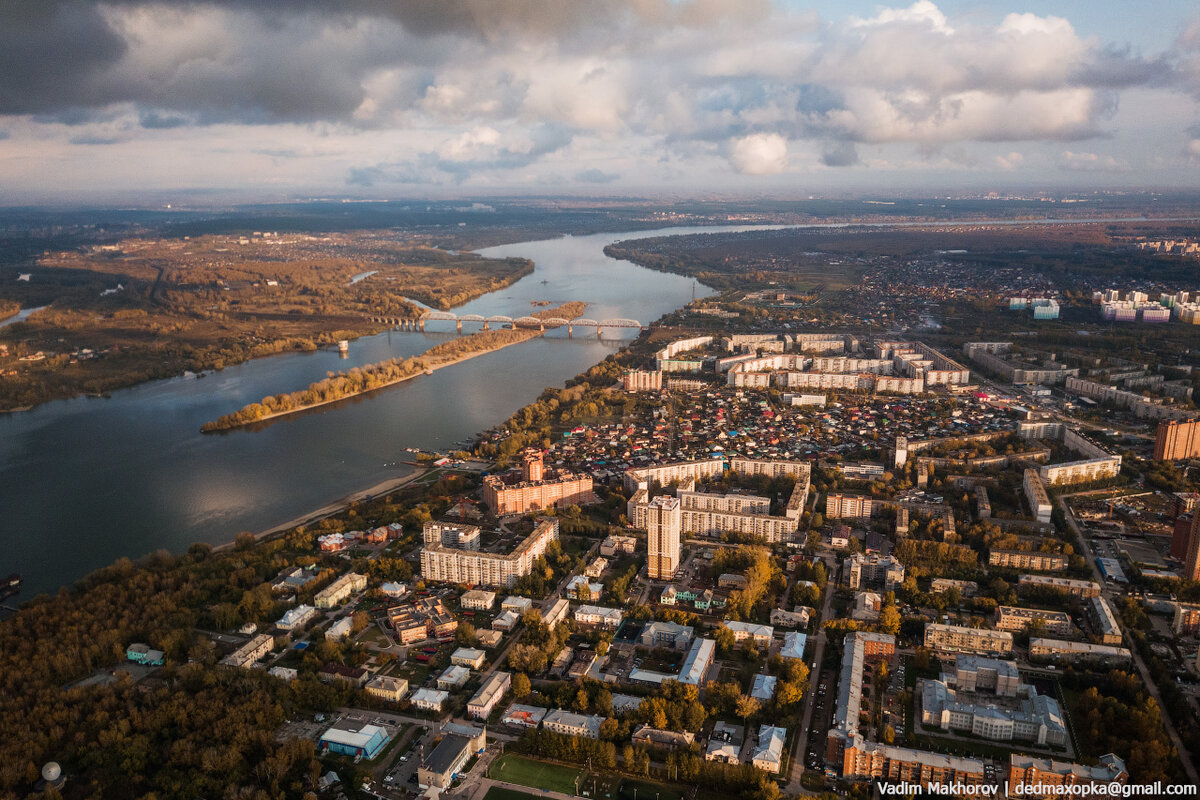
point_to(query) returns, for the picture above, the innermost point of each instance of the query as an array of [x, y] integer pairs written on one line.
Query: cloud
[[1090, 162], [460, 90], [158, 121], [840, 154], [759, 154], [596, 176]]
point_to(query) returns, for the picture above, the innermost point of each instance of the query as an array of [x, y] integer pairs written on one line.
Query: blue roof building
[[367, 742]]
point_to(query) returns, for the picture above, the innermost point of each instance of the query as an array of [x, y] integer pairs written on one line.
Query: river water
[[86, 481]]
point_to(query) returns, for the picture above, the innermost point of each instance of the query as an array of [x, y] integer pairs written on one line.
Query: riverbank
[[381, 375], [338, 506]]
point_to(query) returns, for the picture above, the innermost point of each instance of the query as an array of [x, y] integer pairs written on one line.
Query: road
[[1185, 757], [800, 742]]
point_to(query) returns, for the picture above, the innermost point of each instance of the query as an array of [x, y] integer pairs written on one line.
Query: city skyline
[[125, 100]]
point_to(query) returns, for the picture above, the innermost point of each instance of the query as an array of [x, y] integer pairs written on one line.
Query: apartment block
[[337, 592], [663, 525], [1011, 618], [957, 639], [1036, 496], [442, 563], [1028, 559]]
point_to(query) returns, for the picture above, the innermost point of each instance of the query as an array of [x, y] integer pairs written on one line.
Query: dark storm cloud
[[50, 53]]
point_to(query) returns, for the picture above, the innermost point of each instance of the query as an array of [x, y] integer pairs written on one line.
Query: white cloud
[[759, 154]]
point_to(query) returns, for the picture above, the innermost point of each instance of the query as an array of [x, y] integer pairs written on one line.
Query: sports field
[[647, 790], [534, 774], [501, 793]]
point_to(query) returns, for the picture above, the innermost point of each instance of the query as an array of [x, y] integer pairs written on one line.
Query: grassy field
[[534, 774], [501, 793]]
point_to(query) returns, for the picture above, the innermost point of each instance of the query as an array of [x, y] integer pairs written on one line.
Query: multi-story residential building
[[523, 716], [494, 687], [556, 612], [569, 724], [1084, 589], [957, 639], [760, 635], [1093, 469], [636, 380], [429, 699], [1036, 496], [453, 677], [598, 615], [1035, 718], [612, 545], [1186, 620], [768, 753], [848, 505], [1104, 621], [1191, 561], [451, 534], [1177, 439], [887, 763], [851, 756], [663, 525], [873, 571], [1028, 559], [859, 646], [977, 674], [295, 619], [725, 743], [1141, 406], [337, 592], [427, 618], [667, 634], [965, 588], [469, 657], [712, 514], [1011, 618], [1032, 771], [251, 651], [386, 687], [477, 600], [698, 661], [442, 563], [531, 490], [1061, 650]]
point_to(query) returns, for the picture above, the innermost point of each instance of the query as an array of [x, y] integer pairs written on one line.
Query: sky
[[130, 100]]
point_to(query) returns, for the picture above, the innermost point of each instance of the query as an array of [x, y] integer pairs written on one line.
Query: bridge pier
[[570, 331], [458, 325], [541, 330], [485, 326], [599, 332], [421, 324]]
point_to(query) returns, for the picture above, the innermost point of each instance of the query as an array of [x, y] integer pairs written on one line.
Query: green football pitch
[[534, 774]]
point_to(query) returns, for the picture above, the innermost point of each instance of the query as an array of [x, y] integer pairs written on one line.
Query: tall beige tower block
[[663, 523]]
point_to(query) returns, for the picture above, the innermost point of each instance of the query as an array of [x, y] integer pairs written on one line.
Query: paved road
[[1184, 756], [800, 742]]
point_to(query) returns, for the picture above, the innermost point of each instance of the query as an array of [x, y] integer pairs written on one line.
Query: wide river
[[86, 481]]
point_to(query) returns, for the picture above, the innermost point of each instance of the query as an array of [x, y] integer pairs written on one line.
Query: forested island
[[385, 373]]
